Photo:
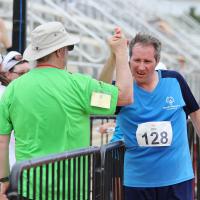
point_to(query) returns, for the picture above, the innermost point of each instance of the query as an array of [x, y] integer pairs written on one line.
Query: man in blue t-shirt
[[157, 159]]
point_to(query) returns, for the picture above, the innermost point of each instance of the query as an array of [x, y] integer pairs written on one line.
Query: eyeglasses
[[12, 70], [18, 73]]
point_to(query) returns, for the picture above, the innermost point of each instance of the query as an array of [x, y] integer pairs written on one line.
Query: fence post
[[112, 162]]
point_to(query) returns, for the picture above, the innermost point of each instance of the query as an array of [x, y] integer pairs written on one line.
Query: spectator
[[12, 66], [157, 159], [163, 26], [49, 94], [182, 65]]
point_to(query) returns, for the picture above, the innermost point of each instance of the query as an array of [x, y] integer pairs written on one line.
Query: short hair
[[146, 39], [45, 58]]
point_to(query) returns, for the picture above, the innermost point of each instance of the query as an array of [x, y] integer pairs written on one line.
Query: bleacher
[[94, 21]]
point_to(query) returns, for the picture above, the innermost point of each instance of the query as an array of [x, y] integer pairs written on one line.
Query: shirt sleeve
[[88, 86], [191, 104], [5, 122]]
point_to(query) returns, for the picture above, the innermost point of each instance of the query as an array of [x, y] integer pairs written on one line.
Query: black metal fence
[[194, 144], [112, 159], [75, 175], [94, 173]]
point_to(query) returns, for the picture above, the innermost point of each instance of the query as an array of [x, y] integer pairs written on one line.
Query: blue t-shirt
[[171, 101]]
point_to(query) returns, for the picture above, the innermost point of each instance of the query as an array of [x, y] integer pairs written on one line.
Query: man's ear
[[60, 52]]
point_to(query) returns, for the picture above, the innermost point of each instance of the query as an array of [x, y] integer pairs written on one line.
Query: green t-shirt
[[49, 110]]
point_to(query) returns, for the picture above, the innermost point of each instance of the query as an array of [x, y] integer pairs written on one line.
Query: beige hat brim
[[31, 54]]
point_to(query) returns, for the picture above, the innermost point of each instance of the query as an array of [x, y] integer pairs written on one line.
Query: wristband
[[5, 179]]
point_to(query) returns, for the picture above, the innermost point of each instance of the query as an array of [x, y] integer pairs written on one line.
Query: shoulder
[[79, 77], [171, 74], [86, 79], [174, 75]]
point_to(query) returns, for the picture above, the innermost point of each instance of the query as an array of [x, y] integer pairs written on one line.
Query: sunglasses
[[70, 47], [18, 73]]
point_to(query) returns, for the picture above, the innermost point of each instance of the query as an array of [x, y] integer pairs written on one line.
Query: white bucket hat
[[46, 39], [9, 61]]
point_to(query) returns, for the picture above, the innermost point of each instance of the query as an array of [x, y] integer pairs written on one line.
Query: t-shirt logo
[[170, 100]]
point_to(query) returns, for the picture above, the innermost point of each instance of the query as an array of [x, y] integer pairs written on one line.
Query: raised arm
[[124, 79], [107, 72]]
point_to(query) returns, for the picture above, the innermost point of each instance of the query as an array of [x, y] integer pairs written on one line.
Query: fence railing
[[194, 144], [112, 159], [60, 176], [94, 173], [75, 175]]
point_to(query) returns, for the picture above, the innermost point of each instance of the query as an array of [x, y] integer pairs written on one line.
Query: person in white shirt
[[12, 66]]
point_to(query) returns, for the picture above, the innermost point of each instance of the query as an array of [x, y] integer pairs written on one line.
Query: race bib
[[153, 134]]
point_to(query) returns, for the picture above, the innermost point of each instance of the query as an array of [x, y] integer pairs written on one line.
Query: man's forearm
[[107, 72], [195, 117], [124, 79], [4, 156]]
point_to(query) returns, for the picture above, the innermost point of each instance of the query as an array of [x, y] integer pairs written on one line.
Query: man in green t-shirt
[[49, 108]]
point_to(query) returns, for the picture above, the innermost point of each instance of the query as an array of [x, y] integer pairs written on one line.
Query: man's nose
[[141, 66]]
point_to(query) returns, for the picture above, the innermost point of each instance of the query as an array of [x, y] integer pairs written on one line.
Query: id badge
[[100, 100]]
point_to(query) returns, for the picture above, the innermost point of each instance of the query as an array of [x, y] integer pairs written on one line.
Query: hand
[[117, 42], [3, 197], [4, 187], [107, 127], [118, 33]]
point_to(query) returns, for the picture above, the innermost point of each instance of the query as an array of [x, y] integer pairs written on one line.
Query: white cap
[[9, 61], [160, 65]]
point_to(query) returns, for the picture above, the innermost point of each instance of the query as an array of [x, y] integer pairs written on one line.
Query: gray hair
[[146, 39]]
